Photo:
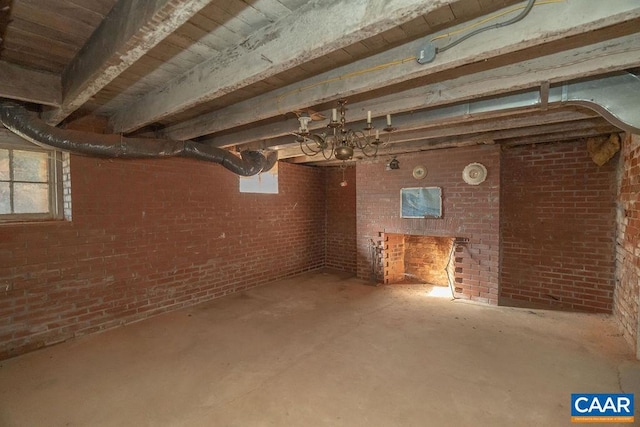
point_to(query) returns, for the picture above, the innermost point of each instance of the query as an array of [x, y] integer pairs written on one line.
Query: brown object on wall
[[602, 149]]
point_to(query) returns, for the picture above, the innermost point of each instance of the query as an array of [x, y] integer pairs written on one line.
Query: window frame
[[55, 183]]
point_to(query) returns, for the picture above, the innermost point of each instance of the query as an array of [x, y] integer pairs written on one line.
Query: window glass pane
[[4, 165], [31, 198], [264, 182], [30, 166], [5, 198]]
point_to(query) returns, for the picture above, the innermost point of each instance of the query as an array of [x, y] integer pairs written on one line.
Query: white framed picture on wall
[[421, 202]]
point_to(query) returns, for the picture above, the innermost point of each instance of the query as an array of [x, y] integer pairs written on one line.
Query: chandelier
[[339, 141]]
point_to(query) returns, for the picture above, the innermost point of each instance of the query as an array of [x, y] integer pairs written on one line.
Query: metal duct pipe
[[19, 120], [614, 97]]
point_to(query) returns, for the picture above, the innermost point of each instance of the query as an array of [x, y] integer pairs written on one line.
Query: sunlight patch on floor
[[439, 292]]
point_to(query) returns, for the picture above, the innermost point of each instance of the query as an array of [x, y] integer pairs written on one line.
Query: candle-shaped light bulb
[[334, 115], [368, 117], [377, 134], [389, 120]]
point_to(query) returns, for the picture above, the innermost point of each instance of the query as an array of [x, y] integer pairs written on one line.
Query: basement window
[[265, 182], [31, 183]]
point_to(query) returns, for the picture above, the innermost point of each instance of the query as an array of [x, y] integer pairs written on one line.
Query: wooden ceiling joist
[[132, 28], [272, 50], [549, 24], [232, 74], [29, 85]]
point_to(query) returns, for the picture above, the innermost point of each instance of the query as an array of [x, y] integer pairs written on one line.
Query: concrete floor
[[324, 350]]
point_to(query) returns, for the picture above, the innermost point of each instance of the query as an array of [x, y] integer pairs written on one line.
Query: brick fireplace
[[469, 211]]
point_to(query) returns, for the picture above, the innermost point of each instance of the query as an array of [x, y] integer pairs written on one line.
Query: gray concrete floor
[[323, 349]]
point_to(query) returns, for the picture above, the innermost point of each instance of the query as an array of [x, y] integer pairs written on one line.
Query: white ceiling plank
[[130, 30], [546, 24], [28, 85], [271, 50]]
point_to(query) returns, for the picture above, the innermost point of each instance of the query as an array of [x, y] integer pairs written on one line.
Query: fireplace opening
[[411, 259]]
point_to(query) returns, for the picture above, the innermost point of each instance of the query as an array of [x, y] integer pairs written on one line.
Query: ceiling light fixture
[[340, 142]]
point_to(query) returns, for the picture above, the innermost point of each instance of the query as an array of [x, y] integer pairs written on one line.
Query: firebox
[[418, 259]]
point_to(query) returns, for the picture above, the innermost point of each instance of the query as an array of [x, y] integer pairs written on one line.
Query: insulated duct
[[614, 97], [19, 120]]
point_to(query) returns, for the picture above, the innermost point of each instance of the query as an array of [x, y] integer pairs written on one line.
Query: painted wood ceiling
[[232, 73]]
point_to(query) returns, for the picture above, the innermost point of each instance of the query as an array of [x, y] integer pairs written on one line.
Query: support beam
[[569, 135], [597, 59], [129, 31], [546, 29], [598, 125], [601, 58], [542, 136], [537, 135], [276, 48], [495, 128], [527, 104], [393, 149], [28, 85]]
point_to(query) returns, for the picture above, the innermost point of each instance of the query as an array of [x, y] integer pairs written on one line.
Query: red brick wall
[[149, 236], [558, 216], [627, 293], [468, 211], [393, 258], [341, 219]]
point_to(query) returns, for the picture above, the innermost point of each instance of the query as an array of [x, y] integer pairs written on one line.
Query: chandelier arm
[[370, 150], [307, 149], [331, 146], [359, 139]]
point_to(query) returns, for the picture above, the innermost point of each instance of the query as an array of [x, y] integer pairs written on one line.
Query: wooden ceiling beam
[[547, 25], [598, 59], [592, 59], [29, 85], [540, 134], [494, 130], [455, 122], [316, 29], [130, 30], [569, 135]]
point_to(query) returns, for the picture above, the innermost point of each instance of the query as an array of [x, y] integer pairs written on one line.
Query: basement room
[[319, 213]]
